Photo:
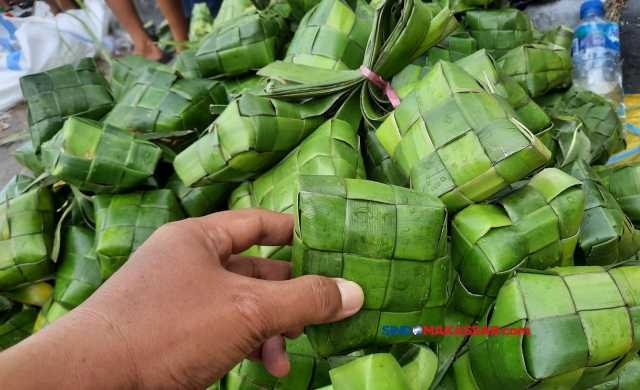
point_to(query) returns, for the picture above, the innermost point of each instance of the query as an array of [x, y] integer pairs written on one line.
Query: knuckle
[[324, 293], [250, 306]]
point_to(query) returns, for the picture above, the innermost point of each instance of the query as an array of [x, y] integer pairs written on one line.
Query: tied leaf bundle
[[390, 240]]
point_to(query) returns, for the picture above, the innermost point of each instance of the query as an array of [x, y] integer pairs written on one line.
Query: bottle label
[[596, 35]]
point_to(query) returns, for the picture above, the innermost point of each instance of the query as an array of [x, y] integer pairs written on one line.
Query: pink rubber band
[[381, 83]]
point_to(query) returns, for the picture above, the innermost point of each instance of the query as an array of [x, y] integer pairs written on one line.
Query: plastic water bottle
[[595, 52]]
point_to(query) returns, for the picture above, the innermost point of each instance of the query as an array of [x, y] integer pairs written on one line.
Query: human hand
[[183, 311]]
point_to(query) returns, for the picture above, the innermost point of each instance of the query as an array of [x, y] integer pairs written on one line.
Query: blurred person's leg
[[174, 13], [127, 14], [61, 5], [4, 4]]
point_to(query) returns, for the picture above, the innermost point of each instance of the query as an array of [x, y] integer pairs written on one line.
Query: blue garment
[[214, 6]]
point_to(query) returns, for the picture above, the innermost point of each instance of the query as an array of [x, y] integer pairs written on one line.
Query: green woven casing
[[333, 149], [16, 325], [26, 238], [200, 201], [606, 127], [239, 85], [379, 165], [299, 8], [125, 221], [243, 44], [499, 31], [125, 71], [307, 371], [569, 140], [457, 6], [76, 89], [574, 97], [624, 184], [629, 378], [331, 36], [98, 157], [377, 371], [455, 140], [15, 187], [606, 234], [451, 49], [231, 9], [537, 68], [250, 136], [484, 69], [186, 64], [77, 279], [560, 35], [581, 330], [160, 102], [535, 227], [27, 157], [390, 240]]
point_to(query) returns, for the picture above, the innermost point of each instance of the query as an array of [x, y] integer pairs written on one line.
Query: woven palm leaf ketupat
[[200, 201], [333, 149], [499, 31], [560, 35], [78, 276], [485, 70], [16, 322], [186, 64], [98, 157], [15, 187], [606, 234], [606, 127], [162, 102], [624, 184], [451, 49], [537, 68], [331, 36], [372, 372], [307, 371], [390, 240], [250, 136], [125, 70], [26, 237], [247, 84], [240, 45], [201, 22], [453, 139], [27, 157], [77, 89], [569, 140], [300, 8], [629, 378], [574, 97], [125, 221], [581, 330], [535, 227]]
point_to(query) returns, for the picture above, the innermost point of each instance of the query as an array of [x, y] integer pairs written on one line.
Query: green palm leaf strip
[[390, 240], [453, 139], [580, 321], [606, 234], [458, 6], [125, 221], [560, 35], [76, 89], [534, 227], [628, 379], [623, 182], [27, 157]]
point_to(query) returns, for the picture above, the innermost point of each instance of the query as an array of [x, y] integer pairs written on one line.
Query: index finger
[[232, 232]]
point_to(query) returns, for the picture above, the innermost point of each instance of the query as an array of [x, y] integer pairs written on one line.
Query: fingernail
[[352, 296], [286, 358]]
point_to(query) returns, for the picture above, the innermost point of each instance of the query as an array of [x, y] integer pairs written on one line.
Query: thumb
[[310, 299]]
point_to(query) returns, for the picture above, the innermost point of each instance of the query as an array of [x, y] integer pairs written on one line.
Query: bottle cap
[[590, 6]]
